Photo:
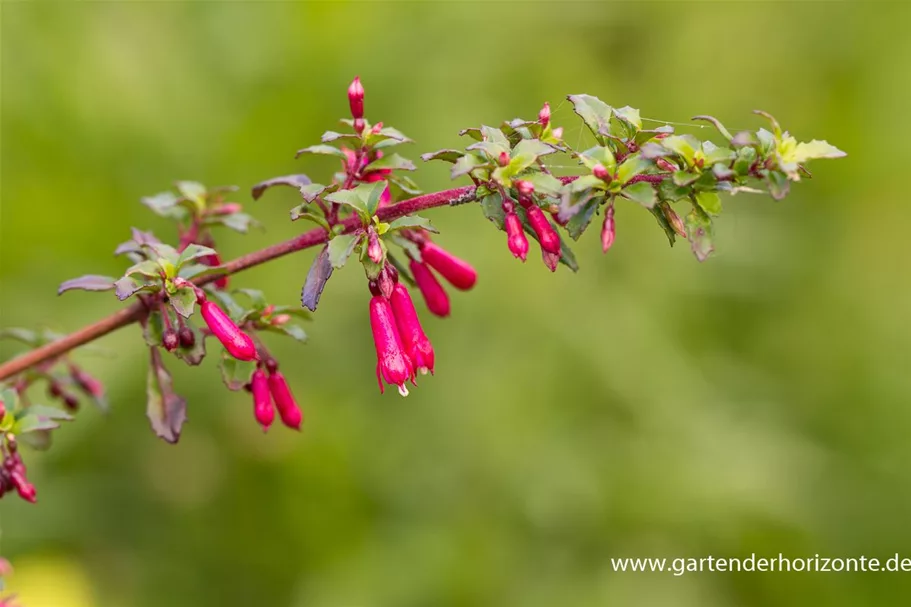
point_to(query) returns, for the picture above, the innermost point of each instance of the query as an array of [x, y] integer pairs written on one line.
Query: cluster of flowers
[[12, 470], [266, 389]]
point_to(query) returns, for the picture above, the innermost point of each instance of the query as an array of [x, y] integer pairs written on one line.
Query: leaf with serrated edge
[[411, 221], [89, 282], [341, 247], [294, 181], [166, 410], [319, 274]]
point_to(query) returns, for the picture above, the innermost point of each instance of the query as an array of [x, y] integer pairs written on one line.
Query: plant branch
[[138, 310]]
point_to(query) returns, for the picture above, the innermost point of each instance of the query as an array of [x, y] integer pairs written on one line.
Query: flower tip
[[403, 390]]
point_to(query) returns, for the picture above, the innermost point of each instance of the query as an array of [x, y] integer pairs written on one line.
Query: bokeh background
[[647, 406]]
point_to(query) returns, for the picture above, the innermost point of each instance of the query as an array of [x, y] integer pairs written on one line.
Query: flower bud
[[515, 236], [386, 281], [503, 159], [229, 208], [608, 229], [377, 128], [280, 319], [288, 410], [359, 125], [558, 132], [666, 165], [544, 114], [392, 364], [374, 248], [24, 488], [169, 339], [601, 173], [434, 295], [457, 271], [236, 342], [356, 99], [417, 347], [186, 337], [673, 219], [2, 409], [550, 260], [547, 235], [262, 400]]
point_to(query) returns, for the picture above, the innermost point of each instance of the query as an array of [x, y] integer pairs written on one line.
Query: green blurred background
[[648, 406]]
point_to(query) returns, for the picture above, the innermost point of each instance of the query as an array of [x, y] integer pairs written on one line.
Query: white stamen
[[403, 390]]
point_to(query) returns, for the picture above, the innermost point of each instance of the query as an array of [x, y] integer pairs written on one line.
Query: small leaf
[[183, 301], [319, 274], [595, 113], [465, 165], [532, 147], [387, 137], [330, 136], [445, 155], [392, 162], [599, 155], [364, 198], [194, 354], [26, 336], [582, 218], [779, 186], [89, 282], [294, 181], [341, 247], [684, 146], [642, 192], [301, 212], [492, 206], [665, 225], [814, 149], [192, 190], [194, 251], [294, 331], [129, 285], [632, 166], [713, 153], [545, 184], [585, 182], [709, 202], [166, 410], [321, 149], [411, 221], [148, 268], [165, 204], [144, 238], [239, 222], [153, 328], [406, 184], [699, 232]]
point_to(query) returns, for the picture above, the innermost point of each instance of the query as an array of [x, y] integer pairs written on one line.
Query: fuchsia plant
[[368, 211]]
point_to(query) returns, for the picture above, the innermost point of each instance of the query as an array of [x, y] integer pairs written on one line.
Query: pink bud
[[550, 260], [392, 363], [515, 236], [666, 165], [544, 114], [608, 230], [417, 347], [229, 208], [287, 407], [434, 295], [86, 383], [385, 197], [674, 220], [547, 235], [359, 125], [356, 98], [503, 159], [558, 132], [236, 342], [601, 173], [24, 488], [525, 188], [280, 319], [377, 128], [170, 340], [2, 409], [457, 271], [374, 248], [186, 337], [262, 401]]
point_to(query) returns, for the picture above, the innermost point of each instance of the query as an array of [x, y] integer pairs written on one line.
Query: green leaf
[[183, 301], [582, 218], [295, 331], [585, 182], [362, 199], [192, 190], [89, 282], [236, 373], [198, 270], [767, 141], [26, 336], [301, 212], [545, 184], [330, 136], [626, 122], [685, 178], [153, 329], [665, 225], [149, 268], [746, 156], [405, 183], [129, 285], [393, 162], [166, 410], [712, 154], [599, 155], [411, 221], [239, 222], [595, 113], [709, 202], [496, 136], [532, 147], [684, 146], [473, 133], [341, 247], [257, 298], [492, 206], [642, 192], [327, 150], [194, 251], [699, 232], [387, 137], [445, 155], [812, 150], [165, 204], [465, 165], [779, 186], [632, 166]]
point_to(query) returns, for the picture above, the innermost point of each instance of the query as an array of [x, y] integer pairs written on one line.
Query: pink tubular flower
[[85, 381], [550, 260], [458, 272], [262, 401], [434, 295], [236, 342], [515, 236], [392, 364], [25, 489], [547, 235], [417, 347], [608, 229], [356, 98], [288, 410]]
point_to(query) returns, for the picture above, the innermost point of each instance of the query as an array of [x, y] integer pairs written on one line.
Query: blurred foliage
[[649, 405]]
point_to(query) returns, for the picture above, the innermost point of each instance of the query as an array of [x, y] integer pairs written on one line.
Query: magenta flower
[[417, 347], [601, 172], [356, 98], [550, 260], [515, 236], [608, 229], [457, 271], [262, 400], [288, 410], [544, 115], [547, 235], [392, 364], [434, 295], [236, 342]]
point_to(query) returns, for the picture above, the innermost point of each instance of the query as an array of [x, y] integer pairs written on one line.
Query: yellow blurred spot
[[49, 581]]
